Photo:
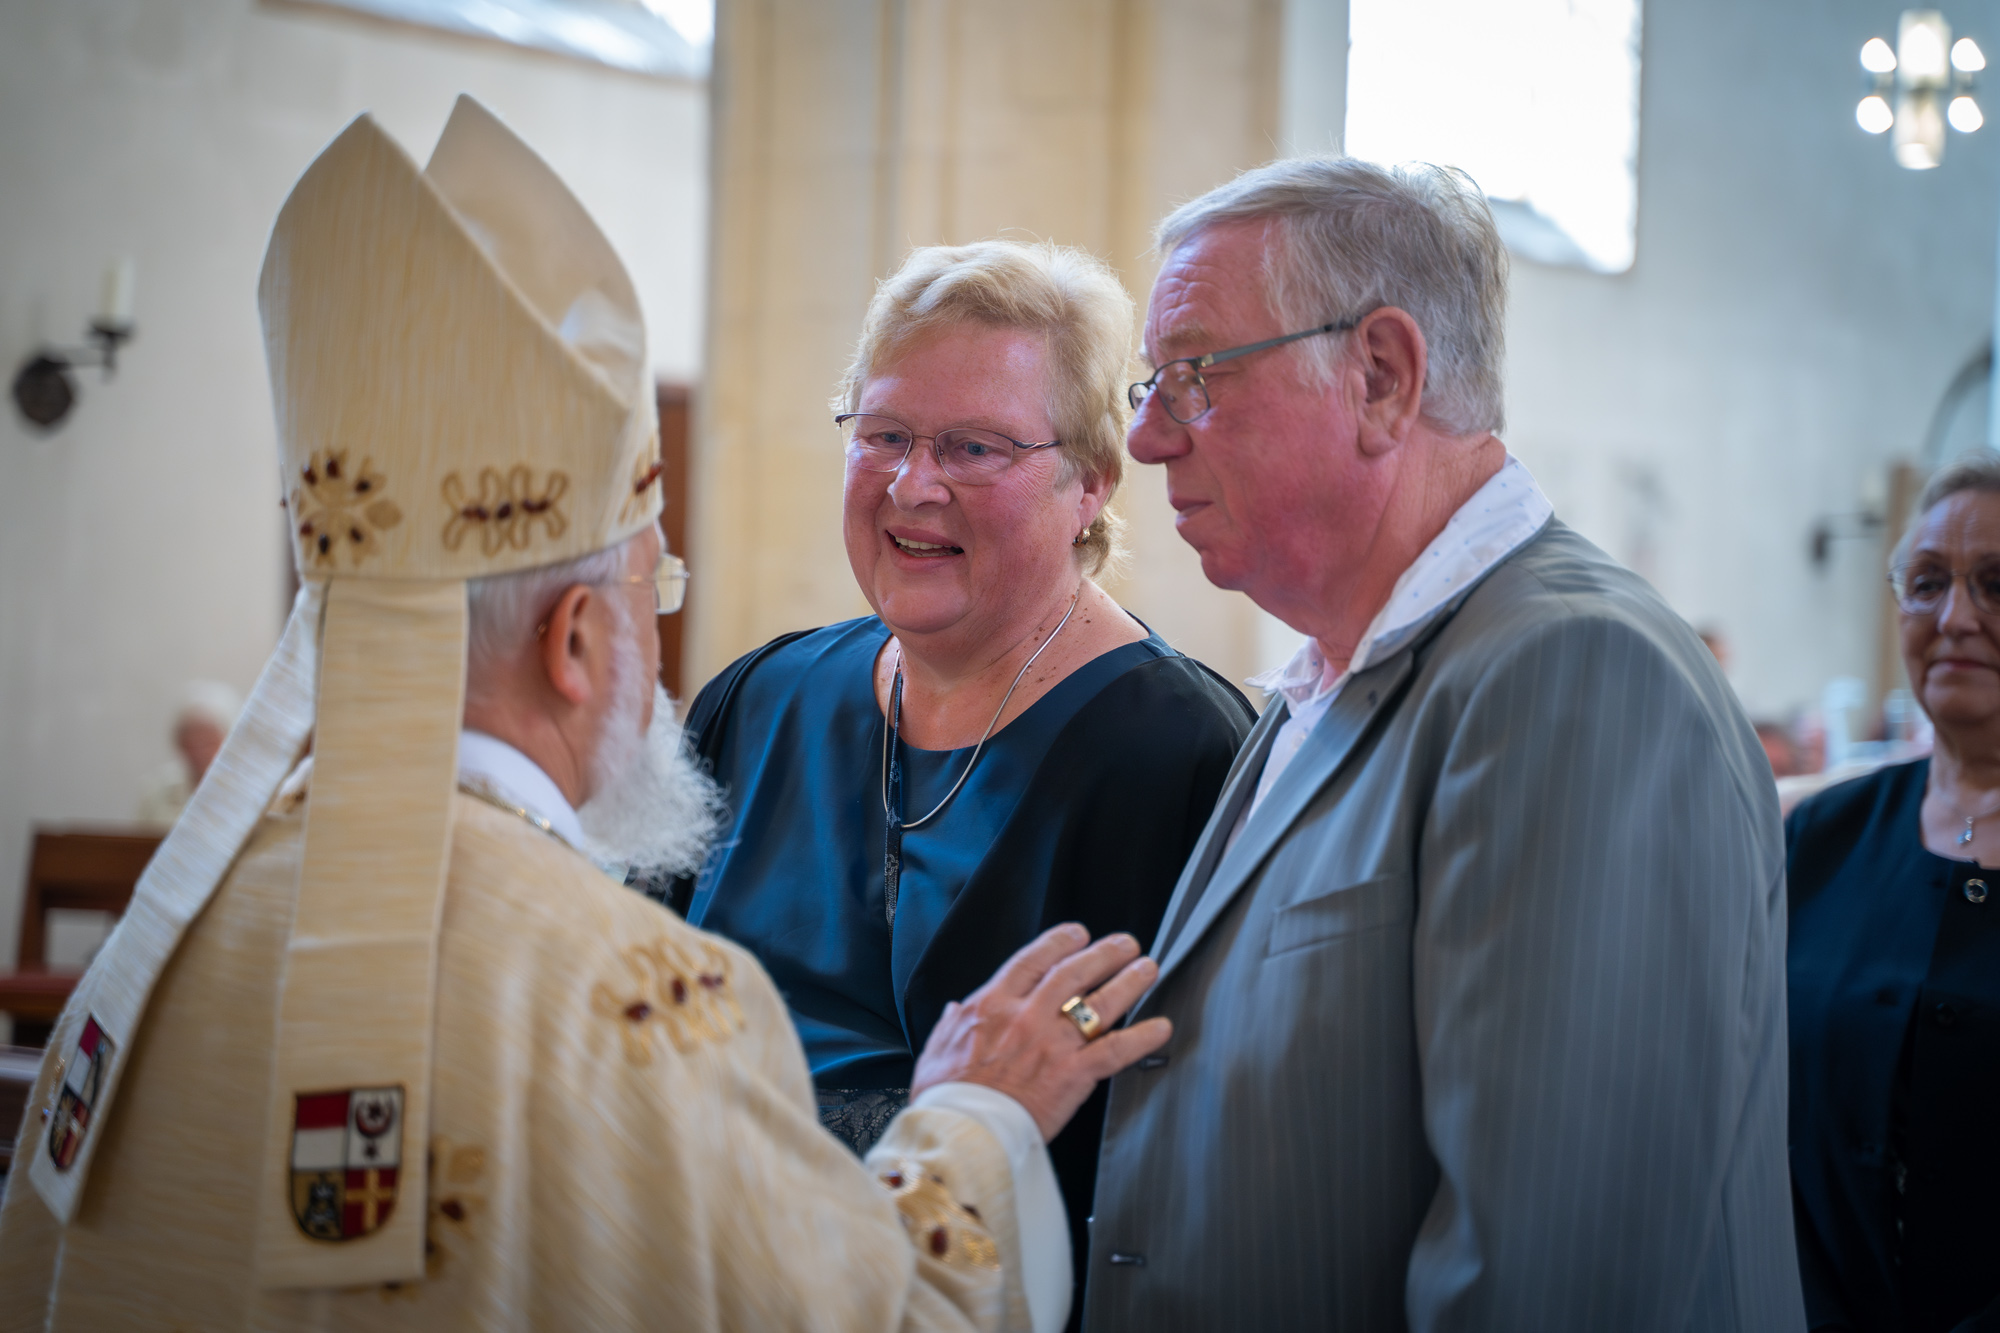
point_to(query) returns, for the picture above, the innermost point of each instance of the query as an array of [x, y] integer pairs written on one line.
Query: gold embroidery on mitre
[[645, 475], [682, 990], [453, 1168], [505, 509], [341, 508], [949, 1231]]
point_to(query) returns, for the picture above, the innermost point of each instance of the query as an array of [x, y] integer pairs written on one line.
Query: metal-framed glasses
[[670, 584], [966, 453], [1921, 585], [1184, 393]]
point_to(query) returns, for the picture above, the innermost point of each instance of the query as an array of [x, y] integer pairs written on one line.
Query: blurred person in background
[[1779, 748], [916, 793], [1895, 967], [208, 710]]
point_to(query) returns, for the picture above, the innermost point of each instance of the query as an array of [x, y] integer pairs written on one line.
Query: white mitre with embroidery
[[458, 364]]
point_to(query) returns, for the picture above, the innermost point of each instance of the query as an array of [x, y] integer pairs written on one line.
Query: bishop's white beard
[[654, 811]]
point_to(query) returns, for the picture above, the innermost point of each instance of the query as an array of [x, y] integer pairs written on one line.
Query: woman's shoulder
[[1160, 704], [794, 653], [1830, 826], [777, 668]]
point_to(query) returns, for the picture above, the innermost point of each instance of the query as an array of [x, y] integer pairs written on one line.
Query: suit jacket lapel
[[1360, 701], [1237, 788]]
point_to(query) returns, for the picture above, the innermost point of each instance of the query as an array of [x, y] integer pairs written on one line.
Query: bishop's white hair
[[505, 608]]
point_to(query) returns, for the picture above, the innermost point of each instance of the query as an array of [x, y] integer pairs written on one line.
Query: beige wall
[[848, 131], [141, 545]]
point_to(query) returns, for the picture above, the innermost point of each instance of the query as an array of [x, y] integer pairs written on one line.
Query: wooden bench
[[18, 1067], [77, 869]]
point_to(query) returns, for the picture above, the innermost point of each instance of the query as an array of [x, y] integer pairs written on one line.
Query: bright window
[[661, 37], [1537, 99]]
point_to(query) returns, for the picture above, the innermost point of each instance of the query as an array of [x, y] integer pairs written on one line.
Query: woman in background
[[999, 748], [1895, 968]]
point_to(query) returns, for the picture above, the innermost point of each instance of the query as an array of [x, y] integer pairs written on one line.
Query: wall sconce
[[44, 389], [1926, 82]]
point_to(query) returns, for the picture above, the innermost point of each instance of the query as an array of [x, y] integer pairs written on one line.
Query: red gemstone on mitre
[[894, 1180], [711, 980], [940, 1241], [680, 991], [638, 1011], [453, 1209]]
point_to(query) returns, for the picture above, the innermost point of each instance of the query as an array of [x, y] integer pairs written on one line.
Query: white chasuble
[[620, 1134]]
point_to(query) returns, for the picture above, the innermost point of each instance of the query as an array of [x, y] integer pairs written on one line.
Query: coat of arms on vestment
[[347, 1153], [89, 1065]]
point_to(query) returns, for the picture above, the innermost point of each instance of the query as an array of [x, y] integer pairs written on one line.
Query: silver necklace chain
[[891, 727], [1966, 836]]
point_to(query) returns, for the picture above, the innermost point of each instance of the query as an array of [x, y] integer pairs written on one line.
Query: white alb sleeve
[[1046, 1276]]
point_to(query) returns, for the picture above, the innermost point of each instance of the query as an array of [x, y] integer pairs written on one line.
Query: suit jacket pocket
[[1351, 909]]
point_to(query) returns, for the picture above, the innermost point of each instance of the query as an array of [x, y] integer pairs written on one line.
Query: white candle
[[119, 279]]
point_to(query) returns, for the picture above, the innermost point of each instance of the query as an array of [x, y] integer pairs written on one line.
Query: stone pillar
[[848, 131]]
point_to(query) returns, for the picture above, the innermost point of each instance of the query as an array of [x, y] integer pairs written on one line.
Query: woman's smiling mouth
[[924, 550]]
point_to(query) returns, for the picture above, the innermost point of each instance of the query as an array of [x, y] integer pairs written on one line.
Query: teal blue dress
[[1083, 808]]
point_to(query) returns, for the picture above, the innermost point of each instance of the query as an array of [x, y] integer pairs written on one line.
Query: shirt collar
[[1500, 517], [502, 773]]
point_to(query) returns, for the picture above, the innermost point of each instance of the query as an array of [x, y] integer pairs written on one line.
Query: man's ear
[[1394, 358], [562, 642]]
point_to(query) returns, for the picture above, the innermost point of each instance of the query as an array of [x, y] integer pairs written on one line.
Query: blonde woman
[[999, 748]]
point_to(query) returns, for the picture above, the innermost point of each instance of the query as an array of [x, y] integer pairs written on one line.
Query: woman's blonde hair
[[1068, 296]]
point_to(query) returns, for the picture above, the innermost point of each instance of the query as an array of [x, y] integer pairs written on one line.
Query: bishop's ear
[[567, 642]]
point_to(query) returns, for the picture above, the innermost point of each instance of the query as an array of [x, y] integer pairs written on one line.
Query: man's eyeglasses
[[670, 584], [1182, 390], [966, 453], [1921, 585]]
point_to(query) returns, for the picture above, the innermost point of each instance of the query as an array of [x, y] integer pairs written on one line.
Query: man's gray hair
[[1352, 237], [505, 608], [1974, 472]]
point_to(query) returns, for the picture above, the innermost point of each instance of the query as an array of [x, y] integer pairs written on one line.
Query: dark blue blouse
[[1084, 808], [799, 878], [1894, 963]]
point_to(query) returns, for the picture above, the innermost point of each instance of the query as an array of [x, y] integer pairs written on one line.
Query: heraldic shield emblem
[[347, 1154], [82, 1088]]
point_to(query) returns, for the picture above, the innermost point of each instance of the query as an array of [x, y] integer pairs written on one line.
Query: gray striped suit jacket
[[1481, 1023]]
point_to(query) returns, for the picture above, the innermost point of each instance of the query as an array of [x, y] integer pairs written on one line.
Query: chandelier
[[1923, 83]]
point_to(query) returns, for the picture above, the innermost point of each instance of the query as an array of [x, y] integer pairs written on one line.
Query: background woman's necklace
[[1965, 838], [892, 767]]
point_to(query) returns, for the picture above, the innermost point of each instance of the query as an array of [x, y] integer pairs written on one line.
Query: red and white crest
[[84, 1073], [347, 1155]]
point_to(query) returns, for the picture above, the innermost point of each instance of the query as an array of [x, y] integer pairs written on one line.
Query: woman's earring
[[1080, 538]]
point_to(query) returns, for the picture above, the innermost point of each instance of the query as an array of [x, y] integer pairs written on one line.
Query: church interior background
[[1740, 330]]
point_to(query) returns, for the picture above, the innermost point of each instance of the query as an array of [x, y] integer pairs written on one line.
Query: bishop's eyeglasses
[[967, 454], [1922, 584], [1182, 390], [670, 584]]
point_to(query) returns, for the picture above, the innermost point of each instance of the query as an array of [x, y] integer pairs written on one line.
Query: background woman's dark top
[[1894, 962], [1083, 808]]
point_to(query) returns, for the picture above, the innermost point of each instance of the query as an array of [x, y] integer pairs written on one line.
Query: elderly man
[[1477, 971], [381, 1048]]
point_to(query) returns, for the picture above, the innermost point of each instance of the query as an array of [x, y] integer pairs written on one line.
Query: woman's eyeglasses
[[1922, 585], [966, 453]]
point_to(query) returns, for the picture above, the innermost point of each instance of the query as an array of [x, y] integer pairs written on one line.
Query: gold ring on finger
[[1078, 1011]]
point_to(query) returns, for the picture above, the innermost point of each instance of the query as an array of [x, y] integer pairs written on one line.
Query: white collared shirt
[[1501, 516], [504, 773]]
